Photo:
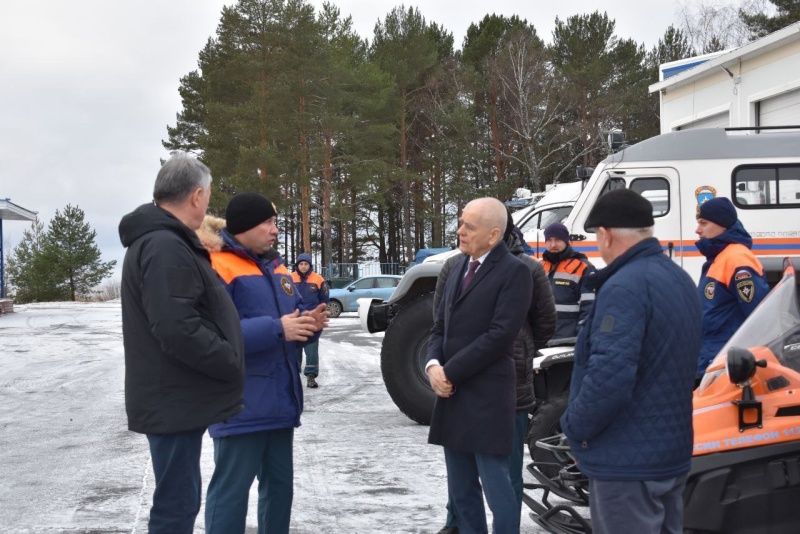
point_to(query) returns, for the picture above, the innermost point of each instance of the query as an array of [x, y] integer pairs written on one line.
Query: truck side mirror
[[584, 173], [616, 140]]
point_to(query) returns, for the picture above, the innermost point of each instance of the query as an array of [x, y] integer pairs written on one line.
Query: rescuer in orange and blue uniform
[[314, 290], [257, 442], [568, 271], [732, 281]]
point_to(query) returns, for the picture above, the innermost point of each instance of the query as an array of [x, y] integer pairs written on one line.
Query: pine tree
[[72, 255], [482, 45], [404, 46], [760, 24], [347, 108], [583, 53], [29, 271], [672, 47], [190, 126]]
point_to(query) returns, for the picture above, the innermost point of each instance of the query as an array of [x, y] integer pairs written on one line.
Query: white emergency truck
[[759, 172], [678, 171]]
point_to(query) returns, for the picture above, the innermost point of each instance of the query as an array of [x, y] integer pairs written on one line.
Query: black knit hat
[[621, 208], [557, 230], [246, 211]]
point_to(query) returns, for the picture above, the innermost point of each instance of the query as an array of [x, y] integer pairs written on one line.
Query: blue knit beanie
[[557, 230], [718, 210]]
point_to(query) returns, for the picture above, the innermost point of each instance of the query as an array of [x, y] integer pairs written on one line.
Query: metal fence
[[341, 274]]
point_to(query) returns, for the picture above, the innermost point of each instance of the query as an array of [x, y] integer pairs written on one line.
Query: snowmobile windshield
[[775, 324]]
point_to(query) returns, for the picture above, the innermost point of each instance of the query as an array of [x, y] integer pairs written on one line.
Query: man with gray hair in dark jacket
[[184, 355], [629, 418]]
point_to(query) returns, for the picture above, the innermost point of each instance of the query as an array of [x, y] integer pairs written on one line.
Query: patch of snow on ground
[[68, 462]]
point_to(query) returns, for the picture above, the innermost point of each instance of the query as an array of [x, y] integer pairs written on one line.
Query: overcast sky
[[87, 88]]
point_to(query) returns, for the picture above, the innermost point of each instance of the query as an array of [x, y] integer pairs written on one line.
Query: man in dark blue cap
[[732, 281], [568, 271]]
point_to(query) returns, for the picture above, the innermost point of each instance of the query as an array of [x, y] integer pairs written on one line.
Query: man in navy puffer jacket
[[629, 419]]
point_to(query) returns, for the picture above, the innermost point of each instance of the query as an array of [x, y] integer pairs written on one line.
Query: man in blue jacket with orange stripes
[[257, 442], [732, 281], [569, 272], [314, 290]]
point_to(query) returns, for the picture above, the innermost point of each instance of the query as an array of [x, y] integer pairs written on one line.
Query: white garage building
[[756, 85]]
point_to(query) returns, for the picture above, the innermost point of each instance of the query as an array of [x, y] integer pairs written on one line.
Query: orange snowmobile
[[745, 474]]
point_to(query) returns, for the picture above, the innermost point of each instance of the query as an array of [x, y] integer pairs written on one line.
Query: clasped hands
[[301, 326], [439, 382]]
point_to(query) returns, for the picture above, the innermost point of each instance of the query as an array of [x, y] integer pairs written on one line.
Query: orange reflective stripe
[[281, 269], [732, 258], [313, 278], [230, 266], [572, 266]]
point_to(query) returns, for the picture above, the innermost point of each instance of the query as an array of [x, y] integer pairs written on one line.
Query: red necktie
[[473, 266]]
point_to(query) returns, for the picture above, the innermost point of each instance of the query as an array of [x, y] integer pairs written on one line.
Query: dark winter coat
[[568, 272], [182, 339], [473, 338], [312, 287], [262, 291], [732, 283], [535, 332], [630, 402]]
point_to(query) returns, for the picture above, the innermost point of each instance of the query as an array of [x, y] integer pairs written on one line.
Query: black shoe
[[448, 530], [312, 383]]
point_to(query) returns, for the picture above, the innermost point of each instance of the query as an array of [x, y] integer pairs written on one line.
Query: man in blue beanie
[[314, 290], [568, 271], [732, 281]]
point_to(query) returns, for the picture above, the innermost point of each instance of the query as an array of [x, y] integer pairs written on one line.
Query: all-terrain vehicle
[[407, 317], [745, 473], [676, 172]]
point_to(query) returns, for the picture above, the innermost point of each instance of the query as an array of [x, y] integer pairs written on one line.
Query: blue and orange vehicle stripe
[[781, 246]]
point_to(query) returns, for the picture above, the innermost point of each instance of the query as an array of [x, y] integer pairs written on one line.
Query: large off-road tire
[[546, 422], [403, 358], [335, 307]]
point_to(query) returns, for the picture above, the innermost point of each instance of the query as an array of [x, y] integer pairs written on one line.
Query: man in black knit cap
[[257, 442]]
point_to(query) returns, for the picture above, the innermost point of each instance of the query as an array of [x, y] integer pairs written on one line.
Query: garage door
[[781, 110], [714, 121]]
